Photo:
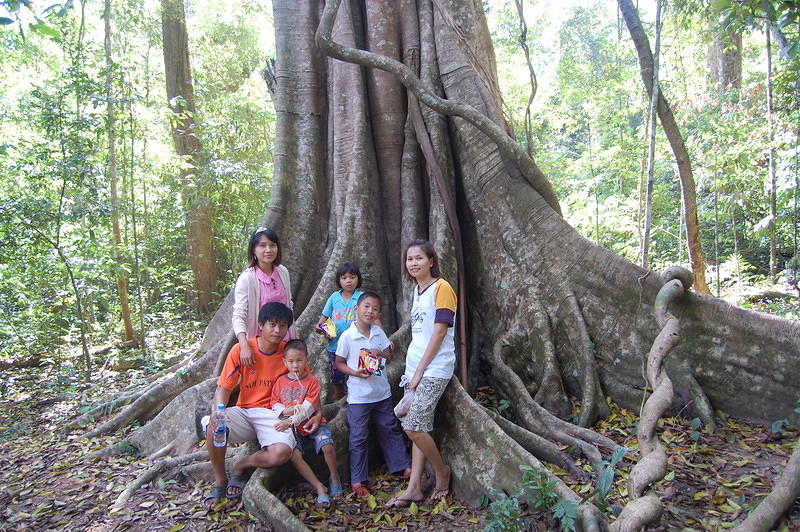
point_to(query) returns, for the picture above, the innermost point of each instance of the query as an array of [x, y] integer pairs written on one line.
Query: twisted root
[[644, 507]]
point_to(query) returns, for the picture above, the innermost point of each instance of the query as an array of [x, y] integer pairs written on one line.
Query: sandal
[[216, 492], [335, 490], [238, 482], [324, 500]]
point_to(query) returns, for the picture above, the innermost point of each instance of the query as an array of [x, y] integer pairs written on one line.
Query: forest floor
[[714, 478]]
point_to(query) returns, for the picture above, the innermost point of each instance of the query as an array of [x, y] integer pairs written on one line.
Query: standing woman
[[430, 363], [265, 280]]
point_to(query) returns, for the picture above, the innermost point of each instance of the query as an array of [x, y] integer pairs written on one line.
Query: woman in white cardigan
[[263, 281]]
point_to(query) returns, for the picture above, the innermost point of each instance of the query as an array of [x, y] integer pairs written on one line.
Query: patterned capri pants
[[426, 396]]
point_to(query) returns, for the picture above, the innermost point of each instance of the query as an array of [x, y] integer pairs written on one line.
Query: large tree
[[366, 160]]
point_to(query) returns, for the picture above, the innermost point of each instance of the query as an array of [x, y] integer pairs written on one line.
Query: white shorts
[[245, 424]]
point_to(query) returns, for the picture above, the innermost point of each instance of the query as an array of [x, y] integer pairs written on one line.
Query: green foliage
[[55, 212], [538, 492], [605, 479], [504, 515]]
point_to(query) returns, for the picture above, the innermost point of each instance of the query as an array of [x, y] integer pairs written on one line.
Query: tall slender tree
[[676, 142], [771, 179], [111, 170], [180, 95]]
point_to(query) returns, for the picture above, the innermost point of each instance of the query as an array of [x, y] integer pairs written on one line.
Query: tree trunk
[[725, 59], [122, 278], [773, 211], [671, 130], [550, 313], [180, 96], [644, 252]]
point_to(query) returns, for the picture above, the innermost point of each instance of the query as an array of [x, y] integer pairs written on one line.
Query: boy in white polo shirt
[[358, 355]]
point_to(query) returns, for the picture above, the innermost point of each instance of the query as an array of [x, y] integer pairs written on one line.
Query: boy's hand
[[363, 374], [312, 424], [212, 420], [283, 425]]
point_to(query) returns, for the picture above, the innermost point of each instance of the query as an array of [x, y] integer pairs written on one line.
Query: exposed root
[[111, 450], [538, 420], [33, 361], [153, 473], [106, 407], [779, 500], [643, 510], [259, 501], [164, 391], [164, 451], [551, 393], [591, 390], [536, 445], [467, 431], [652, 466], [701, 404]]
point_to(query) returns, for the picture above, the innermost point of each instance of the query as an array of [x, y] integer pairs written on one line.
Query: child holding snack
[[340, 309], [296, 395], [361, 353]]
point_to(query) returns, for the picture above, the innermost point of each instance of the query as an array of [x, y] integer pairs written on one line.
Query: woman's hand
[[414, 382], [245, 355]]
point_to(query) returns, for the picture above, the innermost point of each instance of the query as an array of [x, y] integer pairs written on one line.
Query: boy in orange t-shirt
[[252, 418], [296, 394]]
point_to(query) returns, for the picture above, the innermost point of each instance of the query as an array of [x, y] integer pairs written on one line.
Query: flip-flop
[[236, 481], [323, 499], [399, 502], [335, 490], [216, 492]]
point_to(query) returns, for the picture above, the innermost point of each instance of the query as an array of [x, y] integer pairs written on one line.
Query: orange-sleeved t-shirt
[[289, 392], [256, 382]]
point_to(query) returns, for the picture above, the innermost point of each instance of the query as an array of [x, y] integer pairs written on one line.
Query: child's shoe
[[361, 491]]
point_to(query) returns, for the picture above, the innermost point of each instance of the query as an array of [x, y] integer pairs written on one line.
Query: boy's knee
[[328, 450], [283, 453]]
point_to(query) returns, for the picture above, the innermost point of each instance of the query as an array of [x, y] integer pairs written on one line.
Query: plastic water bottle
[[221, 434]]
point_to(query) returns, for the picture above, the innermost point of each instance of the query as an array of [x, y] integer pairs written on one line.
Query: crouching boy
[[296, 394], [252, 418]]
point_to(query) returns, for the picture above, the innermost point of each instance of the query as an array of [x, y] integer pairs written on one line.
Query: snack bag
[[372, 363], [328, 330]]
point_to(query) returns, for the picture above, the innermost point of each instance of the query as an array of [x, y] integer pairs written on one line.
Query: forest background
[[60, 264], [81, 224]]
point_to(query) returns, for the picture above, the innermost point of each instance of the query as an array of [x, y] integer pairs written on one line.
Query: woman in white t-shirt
[[429, 366]]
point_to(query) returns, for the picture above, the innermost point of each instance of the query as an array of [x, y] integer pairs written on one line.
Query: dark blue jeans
[[387, 429]]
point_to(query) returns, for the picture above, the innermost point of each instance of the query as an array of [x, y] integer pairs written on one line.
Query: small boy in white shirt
[[359, 355]]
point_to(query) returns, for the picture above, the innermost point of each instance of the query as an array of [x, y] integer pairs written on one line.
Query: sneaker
[[361, 491]]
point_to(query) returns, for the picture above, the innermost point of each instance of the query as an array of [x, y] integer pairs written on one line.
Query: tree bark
[[671, 130], [180, 96], [725, 59], [122, 278]]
